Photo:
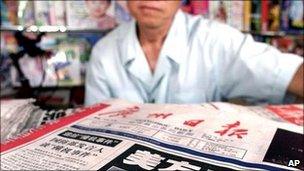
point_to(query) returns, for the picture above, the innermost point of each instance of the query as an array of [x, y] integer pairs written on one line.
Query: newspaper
[[119, 135], [18, 116], [14, 114]]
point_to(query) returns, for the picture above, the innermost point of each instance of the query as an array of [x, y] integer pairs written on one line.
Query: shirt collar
[[176, 39], [174, 43]]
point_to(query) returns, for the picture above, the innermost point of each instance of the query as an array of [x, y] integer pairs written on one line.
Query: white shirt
[[200, 61]]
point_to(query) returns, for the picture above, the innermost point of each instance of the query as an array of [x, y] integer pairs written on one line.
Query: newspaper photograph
[[120, 135]]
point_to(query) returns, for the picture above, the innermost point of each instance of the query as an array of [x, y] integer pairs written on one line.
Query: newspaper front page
[[120, 135]]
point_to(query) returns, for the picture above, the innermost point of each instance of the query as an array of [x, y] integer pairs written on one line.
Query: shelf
[[268, 33], [52, 29], [273, 33], [65, 29], [47, 88]]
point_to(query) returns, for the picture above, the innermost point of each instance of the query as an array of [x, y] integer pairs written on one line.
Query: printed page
[[128, 136]]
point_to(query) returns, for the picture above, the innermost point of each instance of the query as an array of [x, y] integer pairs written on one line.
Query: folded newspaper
[[18, 116], [119, 135]]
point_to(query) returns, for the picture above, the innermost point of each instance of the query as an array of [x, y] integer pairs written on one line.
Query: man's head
[[153, 14]]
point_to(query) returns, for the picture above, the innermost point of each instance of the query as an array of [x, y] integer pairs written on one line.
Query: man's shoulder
[[198, 25], [113, 36], [108, 45]]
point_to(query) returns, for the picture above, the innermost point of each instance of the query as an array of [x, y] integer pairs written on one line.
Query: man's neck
[[151, 40], [155, 35]]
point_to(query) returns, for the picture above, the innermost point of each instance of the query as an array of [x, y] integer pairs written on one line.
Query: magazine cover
[[247, 15], [255, 16], [186, 6], [42, 13], [230, 12], [237, 14], [292, 19], [9, 10], [86, 14], [200, 7], [218, 11], [26, 15], [196, 7], [274, 14], [121, 12], [57, 13]]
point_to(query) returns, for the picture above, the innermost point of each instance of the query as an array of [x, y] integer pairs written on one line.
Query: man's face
[[153, 14]]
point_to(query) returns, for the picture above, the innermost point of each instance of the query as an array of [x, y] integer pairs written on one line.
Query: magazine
[[90, 14]]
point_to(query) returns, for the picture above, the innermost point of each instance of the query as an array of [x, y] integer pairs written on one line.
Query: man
[[167, 56]]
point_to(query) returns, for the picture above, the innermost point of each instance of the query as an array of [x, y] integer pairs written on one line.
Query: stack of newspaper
[[14, 115], [119, 135], [18, 116]]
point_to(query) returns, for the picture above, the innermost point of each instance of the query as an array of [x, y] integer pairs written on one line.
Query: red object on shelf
[[200, 7], [264, 16]]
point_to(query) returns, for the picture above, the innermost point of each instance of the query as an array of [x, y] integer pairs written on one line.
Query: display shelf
[[52, 29], [273, 33], [54, 87], [64, 29], [268, 33]]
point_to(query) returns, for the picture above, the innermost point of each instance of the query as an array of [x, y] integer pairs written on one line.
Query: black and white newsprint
[[118, 136]]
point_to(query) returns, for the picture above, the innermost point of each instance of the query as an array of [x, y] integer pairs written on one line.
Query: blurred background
[[45, 45]]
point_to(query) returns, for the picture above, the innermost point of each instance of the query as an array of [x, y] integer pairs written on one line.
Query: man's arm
[[96, 85], [296, 85], [257, 71]]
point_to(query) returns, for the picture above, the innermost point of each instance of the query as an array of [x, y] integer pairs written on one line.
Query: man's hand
[[296, 85]]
